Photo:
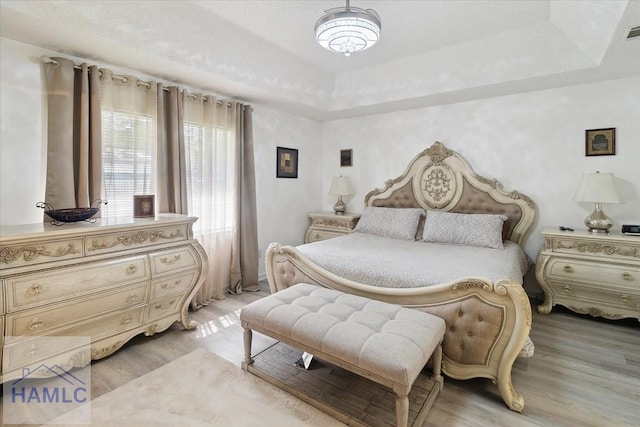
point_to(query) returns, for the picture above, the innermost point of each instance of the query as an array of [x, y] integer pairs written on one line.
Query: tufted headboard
[[439, 178]]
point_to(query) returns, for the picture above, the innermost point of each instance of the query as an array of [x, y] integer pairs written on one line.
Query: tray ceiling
[[430, 52]]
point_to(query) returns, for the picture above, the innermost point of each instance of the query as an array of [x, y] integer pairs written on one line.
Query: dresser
[[596, 274], [106, 281], [326, 225]]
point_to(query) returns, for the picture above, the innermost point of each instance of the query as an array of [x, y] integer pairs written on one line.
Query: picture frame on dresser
[[600, 142]]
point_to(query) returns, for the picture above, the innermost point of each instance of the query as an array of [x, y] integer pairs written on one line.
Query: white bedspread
[[381, 261]]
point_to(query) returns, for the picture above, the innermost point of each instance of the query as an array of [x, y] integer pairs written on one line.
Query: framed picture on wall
[[600, 142], [346, 157], [287, 162]]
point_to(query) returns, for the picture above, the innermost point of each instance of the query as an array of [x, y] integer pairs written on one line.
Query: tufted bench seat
[[383, 342]]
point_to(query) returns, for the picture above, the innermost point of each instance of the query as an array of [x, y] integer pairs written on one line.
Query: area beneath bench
[[344, 395]]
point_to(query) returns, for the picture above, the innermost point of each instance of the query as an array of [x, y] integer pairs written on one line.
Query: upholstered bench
[[383, 342]]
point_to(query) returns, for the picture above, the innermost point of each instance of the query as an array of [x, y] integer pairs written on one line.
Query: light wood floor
[[585, 371]]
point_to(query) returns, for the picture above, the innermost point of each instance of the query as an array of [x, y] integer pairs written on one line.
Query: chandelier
[[348, 29]]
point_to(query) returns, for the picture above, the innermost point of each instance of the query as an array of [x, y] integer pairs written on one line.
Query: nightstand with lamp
[[327, 225], [595, 272]]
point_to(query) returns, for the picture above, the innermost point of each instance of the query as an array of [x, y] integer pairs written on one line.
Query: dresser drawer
[[31, 290], [106, 243], [43, 320], [593, 272], [164, 307], [26, 351], [173, 260], [174, 285], [40, 252]]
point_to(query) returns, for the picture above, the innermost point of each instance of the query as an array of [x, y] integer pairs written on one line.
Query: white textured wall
[[22, 134], [283, 203], [531, 142]]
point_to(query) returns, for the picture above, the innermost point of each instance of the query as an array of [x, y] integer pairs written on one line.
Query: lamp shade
[[340, 186], [597, 188]]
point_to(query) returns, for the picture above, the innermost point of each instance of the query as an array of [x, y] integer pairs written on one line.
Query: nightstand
[[326, 225], [596, 274]]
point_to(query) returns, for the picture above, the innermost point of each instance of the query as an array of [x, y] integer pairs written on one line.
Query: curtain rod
[[125, 79]]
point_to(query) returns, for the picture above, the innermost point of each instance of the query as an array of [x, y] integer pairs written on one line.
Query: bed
[[487, 311]]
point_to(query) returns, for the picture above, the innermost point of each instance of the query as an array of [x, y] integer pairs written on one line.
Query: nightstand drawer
[[598, 249], [317, 235], [593, 272], [597, 295]]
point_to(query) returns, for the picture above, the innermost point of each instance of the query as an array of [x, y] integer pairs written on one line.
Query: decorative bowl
[[60, 216]]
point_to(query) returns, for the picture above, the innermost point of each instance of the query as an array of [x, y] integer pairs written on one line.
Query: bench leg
[[248, 334], [402, 411], [437, 365]]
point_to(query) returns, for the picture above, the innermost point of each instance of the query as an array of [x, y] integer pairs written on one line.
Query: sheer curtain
[[129, 125], [210, 160]]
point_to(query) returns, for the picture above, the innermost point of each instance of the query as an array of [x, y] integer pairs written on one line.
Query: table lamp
[[597, 188], [340, 186]]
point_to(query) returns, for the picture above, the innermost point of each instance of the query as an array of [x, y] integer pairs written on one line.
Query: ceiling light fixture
[[348, 29]]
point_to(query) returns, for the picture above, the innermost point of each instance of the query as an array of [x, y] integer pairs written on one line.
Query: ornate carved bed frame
[[488, 323]]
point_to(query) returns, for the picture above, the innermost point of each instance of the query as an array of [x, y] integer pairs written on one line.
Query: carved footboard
[[487, 323]]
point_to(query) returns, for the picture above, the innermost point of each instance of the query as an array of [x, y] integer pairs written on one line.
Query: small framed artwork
[[346, 157], [287, 162], [144, 206], [600, 142]]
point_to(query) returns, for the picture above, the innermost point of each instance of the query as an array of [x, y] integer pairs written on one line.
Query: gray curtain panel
[[74, 151], [171, 180], [244, 266]]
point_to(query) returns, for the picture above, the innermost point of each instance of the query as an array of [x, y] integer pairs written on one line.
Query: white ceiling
[[431, 52]]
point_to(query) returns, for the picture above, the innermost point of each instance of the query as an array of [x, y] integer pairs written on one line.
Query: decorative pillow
[[396, 223], [464, 229]]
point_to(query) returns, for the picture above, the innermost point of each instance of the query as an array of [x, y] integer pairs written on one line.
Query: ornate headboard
[[439, 178]]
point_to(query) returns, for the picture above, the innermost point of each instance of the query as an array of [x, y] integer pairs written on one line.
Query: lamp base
[[339, 207], [598, 222]]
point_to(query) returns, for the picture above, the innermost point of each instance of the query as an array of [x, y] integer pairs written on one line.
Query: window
[[209, 163], [128, 160]]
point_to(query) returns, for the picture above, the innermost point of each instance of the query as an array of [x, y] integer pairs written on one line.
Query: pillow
[[395, 223], [464, 229]]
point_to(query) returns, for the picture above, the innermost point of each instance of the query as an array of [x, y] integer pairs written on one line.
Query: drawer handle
[[36, 323], [132, 298], [624, 299], [165, 306], [32, 350], [568, 269], [127, 319], [131, 269], [34, 290], [175, 284], [171, 261], [627, 276], [567, 290]]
